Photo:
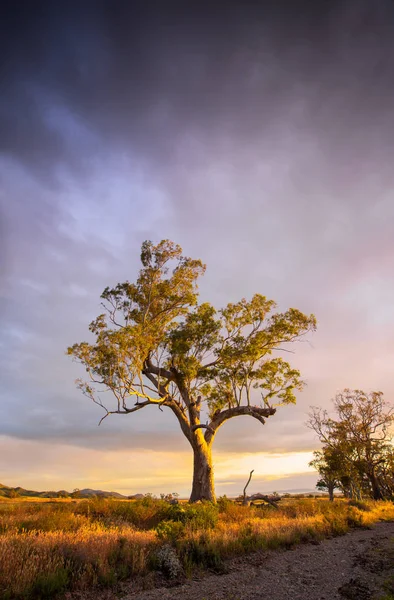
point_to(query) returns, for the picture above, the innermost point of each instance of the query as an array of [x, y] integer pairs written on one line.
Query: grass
[[48, 548]]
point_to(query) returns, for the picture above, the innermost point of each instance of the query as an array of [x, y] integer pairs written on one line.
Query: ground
[[356, 566]]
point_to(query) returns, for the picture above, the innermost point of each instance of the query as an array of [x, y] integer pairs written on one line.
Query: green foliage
[[144, 514], [197, 516], [388, 587], [170, 531], [50, 584], [364, 506], [355, 517], [223, 503], [201, 552], [13, 493], [139, 316]]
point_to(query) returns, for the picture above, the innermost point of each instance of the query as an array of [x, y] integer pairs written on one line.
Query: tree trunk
[[376, 491], [203, 481], [331, 487]]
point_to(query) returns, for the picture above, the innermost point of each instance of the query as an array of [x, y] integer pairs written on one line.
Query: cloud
[[259, 138]]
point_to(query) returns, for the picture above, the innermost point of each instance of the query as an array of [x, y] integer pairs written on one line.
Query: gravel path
[[353, 567]]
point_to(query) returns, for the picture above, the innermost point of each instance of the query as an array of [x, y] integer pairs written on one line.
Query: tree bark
[[331, 486], [203, 487], [376, 491]]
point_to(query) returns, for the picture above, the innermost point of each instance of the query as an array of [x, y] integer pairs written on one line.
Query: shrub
[[360, 505], [201, 552], [168, 561], [50, 584], [355, 517], [170, 531], [232, 512], [196, 516]]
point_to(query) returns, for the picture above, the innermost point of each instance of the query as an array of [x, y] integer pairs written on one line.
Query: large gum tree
[[155, 346]]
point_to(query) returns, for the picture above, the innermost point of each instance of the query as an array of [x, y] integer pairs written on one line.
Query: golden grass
[[83, 558], [50, 548], [28, 499]]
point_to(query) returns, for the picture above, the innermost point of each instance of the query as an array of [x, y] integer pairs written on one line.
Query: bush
[[355, 517], [360, 505], [302, 508], [144, 514], [201, 552], [196, 516], [231, 512], [168, 562], [170, 531], [47, 586]]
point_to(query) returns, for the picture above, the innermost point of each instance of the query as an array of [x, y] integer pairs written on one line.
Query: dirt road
[[356, 566]]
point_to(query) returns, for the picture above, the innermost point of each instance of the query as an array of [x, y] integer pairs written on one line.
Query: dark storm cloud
[[146, 76]]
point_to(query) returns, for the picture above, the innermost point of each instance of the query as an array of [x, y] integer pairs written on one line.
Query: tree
[[327, 463], [12, 493], [155, 346], [360, 436], [385, 473]]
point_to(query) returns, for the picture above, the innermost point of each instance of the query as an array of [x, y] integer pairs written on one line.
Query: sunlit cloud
[[264, 464], [63, 466]]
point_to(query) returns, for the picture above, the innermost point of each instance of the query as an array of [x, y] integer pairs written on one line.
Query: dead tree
[[272, 499]]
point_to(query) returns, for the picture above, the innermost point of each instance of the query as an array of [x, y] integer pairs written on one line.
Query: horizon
[[294, 491], [260, 140]]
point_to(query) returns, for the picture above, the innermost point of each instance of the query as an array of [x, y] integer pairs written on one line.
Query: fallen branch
[[273, 499]]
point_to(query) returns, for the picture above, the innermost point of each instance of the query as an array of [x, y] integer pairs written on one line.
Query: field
[[50, 547]]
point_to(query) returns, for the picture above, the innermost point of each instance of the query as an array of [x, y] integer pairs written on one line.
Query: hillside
[[9, 492]]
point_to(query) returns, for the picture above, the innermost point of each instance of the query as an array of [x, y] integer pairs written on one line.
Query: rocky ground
[[356, 566]]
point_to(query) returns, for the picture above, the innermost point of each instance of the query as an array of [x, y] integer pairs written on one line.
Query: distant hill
[[10, 492], [87, 493]]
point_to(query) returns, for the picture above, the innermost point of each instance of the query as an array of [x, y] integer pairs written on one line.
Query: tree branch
[[182, 419], [250, 477], [149, 367], [125, 411], [252, 411], [202, 426]]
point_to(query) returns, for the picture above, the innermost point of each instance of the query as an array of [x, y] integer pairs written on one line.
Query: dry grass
[[46, 548]]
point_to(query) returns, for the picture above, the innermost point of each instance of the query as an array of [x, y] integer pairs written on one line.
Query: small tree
[[327, 464], [155, 346], [12, 493], [360, 436]]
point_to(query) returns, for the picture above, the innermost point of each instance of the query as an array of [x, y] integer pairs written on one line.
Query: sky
[[260, 138]]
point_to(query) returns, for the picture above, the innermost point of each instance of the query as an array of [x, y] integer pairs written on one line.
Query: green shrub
[[50, 584], [360, 505], [170, 531], [201, 553], [224, 503], [197, 516], [355, 517]]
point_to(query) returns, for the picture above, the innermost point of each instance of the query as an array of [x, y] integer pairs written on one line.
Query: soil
[[356, 566]]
